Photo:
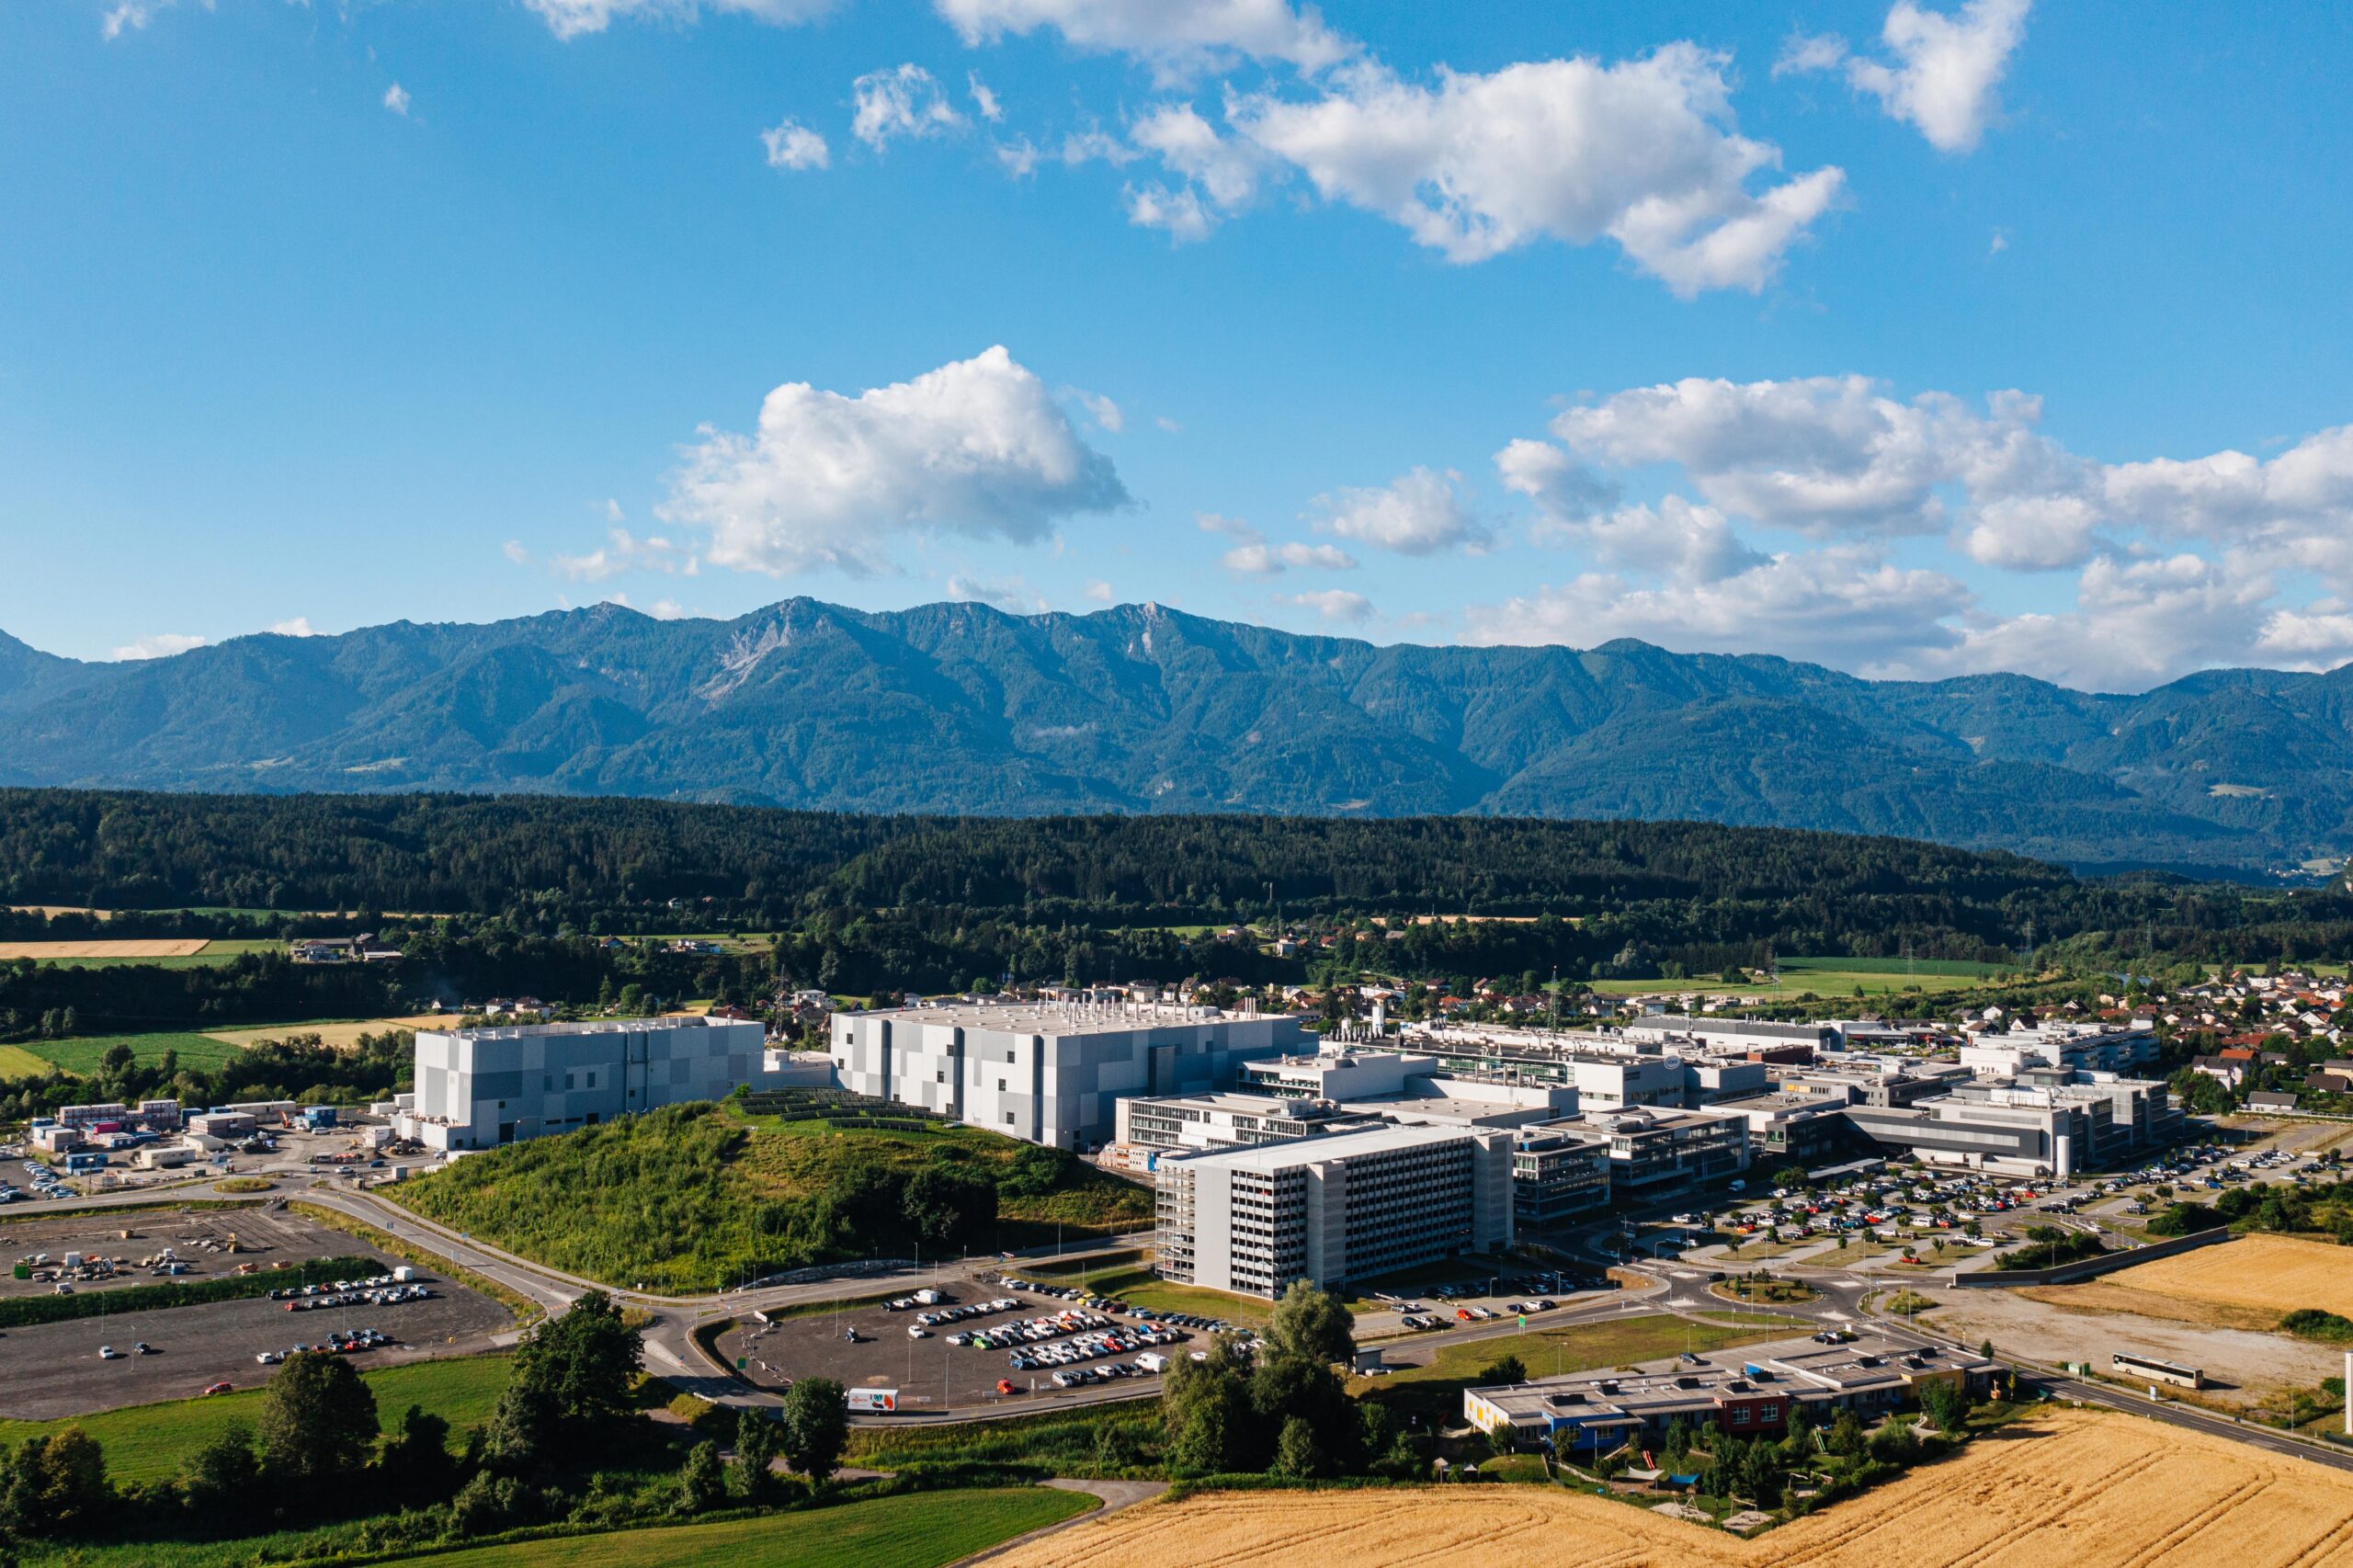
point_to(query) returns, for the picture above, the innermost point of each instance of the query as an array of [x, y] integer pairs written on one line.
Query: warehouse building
[[1349, 1206], [478, 1088], [2046, 1122], [1050, 1072]]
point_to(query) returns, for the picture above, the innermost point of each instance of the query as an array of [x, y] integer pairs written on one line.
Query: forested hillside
[[960, 709]]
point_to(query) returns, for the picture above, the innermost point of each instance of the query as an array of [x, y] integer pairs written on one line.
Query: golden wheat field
[[2276, 1272], [163, 947], [341, 1035], [2081, 1488]]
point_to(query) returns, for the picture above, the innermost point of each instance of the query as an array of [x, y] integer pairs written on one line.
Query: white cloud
[[513, 550], [613, 512], [1181, 212], [298, 627], [792, 145], [904, 101], [1556, 481], [1166, 424], [1332, 604], [2136, 624], [976, 448], [574, 18], [1945, 72], [1846, 604], [1099, 592], [163, 644], [130, 16], [1225, 168], [1833, 454], [1642, 153], [984, 98], [1176, 36], [1100, 409], [1677, 539], [621, 553], [1420, 512], [1018, 156], [1012, 594], [1266, 560], [396, 98], [667, 609]]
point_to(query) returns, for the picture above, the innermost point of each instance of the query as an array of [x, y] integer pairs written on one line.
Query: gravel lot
[[263, 1236]]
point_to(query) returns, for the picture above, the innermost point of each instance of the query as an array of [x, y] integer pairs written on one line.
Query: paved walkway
[[1113, 1495]]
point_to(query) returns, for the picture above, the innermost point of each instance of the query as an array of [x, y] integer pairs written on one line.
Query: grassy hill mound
[[696, 1196]]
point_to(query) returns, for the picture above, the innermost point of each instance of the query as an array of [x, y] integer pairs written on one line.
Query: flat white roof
[[1332, 1146], [1056, 1018], [592, 1026]]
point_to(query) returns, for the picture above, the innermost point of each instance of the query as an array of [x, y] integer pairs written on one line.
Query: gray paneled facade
[[478, 1088], [1046, 1072]]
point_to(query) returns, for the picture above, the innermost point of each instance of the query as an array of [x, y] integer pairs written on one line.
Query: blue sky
[[1920, 340]]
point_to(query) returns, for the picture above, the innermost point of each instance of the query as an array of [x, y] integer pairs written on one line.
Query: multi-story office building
[[1192, 1123], [1336, 1074], [1052, 1072], [1649, 1147], [2046, 1122], [1793, 1126], [1556, 1176], [478, 1088], [1736, 1034], [1345, 1207]]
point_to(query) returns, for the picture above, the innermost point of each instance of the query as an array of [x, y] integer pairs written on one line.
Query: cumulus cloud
[[1563, 487], [904, 101], [1100, 409], [1176, 36], [1099, 592], [1836, 454], [1644, 153], [984, 98], [130, 17], [792, 145], [976, 448], [623, 553], [574, 18], [1846, 604], [396, 99], [1012, 594], [298, 627], [2136, 623], [1332, 604], [515, 551], [161, 646], [1420, 512], [1268, 560], [1942, 72]]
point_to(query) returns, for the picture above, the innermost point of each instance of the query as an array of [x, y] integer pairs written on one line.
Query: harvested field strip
[[16, 1062], [2276, 1273], [158, 948], [344, 1033], [2102, 1298], [2078, 1487]]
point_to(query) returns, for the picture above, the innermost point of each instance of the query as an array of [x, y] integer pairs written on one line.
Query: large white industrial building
[[480, 1087], [1349, 1206], [1052, 1072]]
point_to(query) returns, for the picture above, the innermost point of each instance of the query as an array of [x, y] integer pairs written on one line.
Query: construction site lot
[[53, 1369], [2247, 1369], [2084, 1488], [931, 1374]]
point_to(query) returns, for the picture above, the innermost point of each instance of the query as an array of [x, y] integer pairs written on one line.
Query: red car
[[1005, 1385], [221, 1388]]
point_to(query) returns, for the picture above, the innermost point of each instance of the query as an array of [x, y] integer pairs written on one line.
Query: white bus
[[2146, 1368]]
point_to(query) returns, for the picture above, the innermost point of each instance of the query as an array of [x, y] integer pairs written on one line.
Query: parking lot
[[989, 1340], [53, 1369]]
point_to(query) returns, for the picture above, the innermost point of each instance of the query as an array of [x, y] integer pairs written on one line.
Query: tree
[[1296, 1453], [318, 1420], [575, 1373], [1503, 1370], [1947, 1405], [1205, 1407], [815, 1428], [702, 1484], [756, 1441], [220, 1477], [1313, 1324], [1846, 1435], [415, 1465], [1677, 1445], [522, 1432], [58, 1485]]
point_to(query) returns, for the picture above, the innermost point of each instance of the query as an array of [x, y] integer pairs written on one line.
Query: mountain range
[[960, 708]]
